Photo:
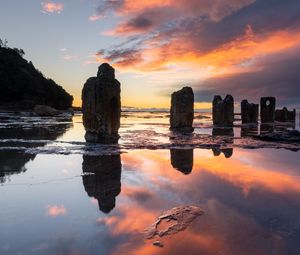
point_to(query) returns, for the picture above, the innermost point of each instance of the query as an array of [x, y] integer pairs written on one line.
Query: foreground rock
[[249, 112], [178, 219], [223, 111], [182, 110], [267, 109], [285, 115], [101, 106]]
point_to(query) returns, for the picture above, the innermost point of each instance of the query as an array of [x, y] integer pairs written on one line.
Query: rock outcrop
[[267, 109], [101, 106], [249, 112], [223, 111], [102, 179], [177, 219], [284, 115], [182, 160], [22, 86], [182, 110], [44, 110]]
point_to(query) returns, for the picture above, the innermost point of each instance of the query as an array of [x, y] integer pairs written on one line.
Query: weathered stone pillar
[[182, 160], [101, 106], [182, 110], [285, 115], [223, 111], [105, 182], [249, 112], [267, 109]]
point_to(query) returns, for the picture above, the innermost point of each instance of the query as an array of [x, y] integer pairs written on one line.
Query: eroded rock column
[[284, 115], [182, 110], [249, 112], [267, 109], [101, 106], [223, 111]]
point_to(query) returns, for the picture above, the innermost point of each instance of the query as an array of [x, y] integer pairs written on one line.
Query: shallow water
[[60, 195]]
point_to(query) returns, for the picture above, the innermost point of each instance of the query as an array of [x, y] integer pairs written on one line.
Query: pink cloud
[[52, 7], [95, 17], [56, 210]]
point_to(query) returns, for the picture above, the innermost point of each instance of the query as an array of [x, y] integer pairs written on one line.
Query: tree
[[3, 44], [20, 51]]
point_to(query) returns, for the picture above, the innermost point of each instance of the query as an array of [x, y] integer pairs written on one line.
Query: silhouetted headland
[[22, 86]]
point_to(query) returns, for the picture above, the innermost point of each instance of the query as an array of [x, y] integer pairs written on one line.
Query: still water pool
[[59, 195]]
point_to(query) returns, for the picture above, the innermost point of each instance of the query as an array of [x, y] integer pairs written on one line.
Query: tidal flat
[[61, 195]]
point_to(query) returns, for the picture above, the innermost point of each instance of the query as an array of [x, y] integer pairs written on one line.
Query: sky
[[247, 48]]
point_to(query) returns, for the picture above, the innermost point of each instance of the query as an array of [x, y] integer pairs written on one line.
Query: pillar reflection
[[102, 179]]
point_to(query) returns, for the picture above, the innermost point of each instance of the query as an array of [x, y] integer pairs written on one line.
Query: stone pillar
[[103, 179], [101, 106], [223, 111], [182, 160], [182, 110], [285, 115], [267, 109], [249, 112]]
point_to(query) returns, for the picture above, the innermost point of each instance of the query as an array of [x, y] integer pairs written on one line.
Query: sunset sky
[[248, 48]]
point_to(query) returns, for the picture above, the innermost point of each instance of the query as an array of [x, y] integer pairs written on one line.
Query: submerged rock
[[179, 218], [248, 131], [284, 115], [283, 137], [267, 109], [182, 110], [223, 111], [249, 112], [101, 106], [44, 110]]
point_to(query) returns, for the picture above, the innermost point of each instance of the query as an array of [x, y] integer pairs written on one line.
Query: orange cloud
[[56, 210], [215, 9], [222, 60], [52, 7]]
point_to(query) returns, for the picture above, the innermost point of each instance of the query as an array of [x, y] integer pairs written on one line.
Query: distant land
[[22, 86]]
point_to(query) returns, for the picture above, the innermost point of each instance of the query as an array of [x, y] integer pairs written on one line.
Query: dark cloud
[[206, 27], [264, 16], [122, 56], [140, 22], [278, 76]]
